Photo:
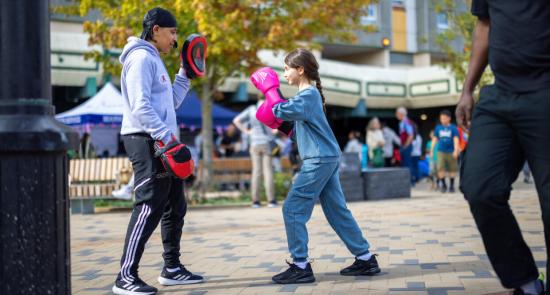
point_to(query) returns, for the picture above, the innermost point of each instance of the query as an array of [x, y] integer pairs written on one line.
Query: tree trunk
[[207, 140]]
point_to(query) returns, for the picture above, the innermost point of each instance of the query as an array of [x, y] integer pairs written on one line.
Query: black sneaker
[[362, 267], [295, 275], [135, 287], [443, 189], [451, 190], [540, 289], [178, 277]]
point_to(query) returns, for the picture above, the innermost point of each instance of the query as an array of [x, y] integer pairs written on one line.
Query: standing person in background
[[406, 134], [354, 145], [416, 154], [375, 143], [432, 158], [526, 173], [446, 136], [462, 144], [230, 142], [390, 139], [260, 153], [86, 148]]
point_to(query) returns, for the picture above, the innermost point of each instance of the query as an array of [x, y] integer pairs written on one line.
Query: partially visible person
[[432, 158], [375, 143], [86, 148], [416, 154], [260, 153], [406, 134], [125, 191], [295, 160], [230, 141], [353, 145], [526, 173], [390, 140], [462, 139], [277, 146]]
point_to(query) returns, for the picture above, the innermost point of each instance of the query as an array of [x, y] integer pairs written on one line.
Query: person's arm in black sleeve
[[480, 8], [478, 62]]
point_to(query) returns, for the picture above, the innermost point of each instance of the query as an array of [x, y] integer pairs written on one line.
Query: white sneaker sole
[[121, 196], [118, 291], [170, 282]]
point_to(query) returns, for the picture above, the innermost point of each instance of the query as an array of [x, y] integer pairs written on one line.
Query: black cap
[[157, 16]]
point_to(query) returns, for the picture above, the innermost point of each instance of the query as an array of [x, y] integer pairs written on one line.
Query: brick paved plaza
[[426, 245]]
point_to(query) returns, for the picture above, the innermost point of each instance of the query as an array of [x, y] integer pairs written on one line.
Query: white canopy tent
[[101, 116]]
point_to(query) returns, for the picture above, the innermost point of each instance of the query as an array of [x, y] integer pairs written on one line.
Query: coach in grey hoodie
[[149, 97], [150, 100]]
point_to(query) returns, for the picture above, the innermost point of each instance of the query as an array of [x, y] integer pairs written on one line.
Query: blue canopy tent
[[189, 113]]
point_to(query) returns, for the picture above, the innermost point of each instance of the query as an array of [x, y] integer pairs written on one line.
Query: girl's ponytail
[[320, 88]]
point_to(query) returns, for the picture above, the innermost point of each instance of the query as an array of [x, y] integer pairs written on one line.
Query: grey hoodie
[[150, 100]]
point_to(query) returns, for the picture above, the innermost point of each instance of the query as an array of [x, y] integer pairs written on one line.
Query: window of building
[[372, 15], [442, 21], [398, 3], [397, 58]]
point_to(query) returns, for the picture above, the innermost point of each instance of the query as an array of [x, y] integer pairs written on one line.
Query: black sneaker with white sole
[[539, 288], [362, 267], [179, 277], [295, 275], [135, 287]]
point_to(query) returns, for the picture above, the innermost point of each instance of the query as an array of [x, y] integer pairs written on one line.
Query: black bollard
[[34, 219]]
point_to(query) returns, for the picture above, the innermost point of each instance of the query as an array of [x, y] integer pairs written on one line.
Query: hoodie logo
[[162, 79]]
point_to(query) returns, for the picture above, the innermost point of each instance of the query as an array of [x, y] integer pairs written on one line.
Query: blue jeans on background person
[[319, 177], [415, 173], [406, 160]]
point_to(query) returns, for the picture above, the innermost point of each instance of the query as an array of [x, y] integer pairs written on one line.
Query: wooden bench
[[237, 171], [91, 179]]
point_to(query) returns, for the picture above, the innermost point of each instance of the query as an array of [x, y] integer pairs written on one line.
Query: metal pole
[[34, 220]]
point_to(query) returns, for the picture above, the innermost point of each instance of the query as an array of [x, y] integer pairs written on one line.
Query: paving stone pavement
[[426, 245]]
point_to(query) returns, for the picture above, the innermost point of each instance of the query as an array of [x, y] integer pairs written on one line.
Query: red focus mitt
[[175, 157]]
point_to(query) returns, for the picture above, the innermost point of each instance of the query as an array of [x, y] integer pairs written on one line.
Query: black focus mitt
[[193, 56]]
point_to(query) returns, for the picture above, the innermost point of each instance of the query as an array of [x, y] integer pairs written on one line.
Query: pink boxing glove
[[266, 80]]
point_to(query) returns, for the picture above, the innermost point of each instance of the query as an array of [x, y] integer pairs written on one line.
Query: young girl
[[318, 175]]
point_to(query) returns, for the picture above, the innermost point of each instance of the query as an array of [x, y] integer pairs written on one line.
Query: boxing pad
[[266, 80], [175, 157], [193, 56]]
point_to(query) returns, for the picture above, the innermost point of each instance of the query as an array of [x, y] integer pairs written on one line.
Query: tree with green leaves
[[461, 27], [235, 29]]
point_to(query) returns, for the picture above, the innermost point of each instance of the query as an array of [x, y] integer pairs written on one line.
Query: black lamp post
[[34, 220]]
